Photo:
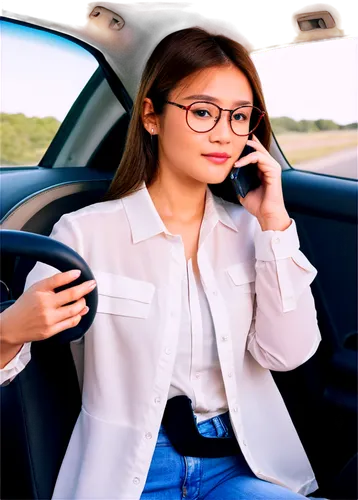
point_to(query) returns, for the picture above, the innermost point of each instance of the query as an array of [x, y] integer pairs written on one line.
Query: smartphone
[[246, 178]]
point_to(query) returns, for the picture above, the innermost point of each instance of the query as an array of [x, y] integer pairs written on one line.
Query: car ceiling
[[124, 27]]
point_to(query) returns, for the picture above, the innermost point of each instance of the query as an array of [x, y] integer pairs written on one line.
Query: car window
[[42, 75], [311, 96]]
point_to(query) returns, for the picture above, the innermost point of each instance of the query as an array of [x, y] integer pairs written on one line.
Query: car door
[[315, 125]]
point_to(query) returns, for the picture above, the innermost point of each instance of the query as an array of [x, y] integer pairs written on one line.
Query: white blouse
[[260, 309], [197, 372]]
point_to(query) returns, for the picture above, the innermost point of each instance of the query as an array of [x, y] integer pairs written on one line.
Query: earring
[[151, 138]]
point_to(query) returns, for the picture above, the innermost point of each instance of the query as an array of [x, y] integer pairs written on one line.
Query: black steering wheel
[[63, 258]]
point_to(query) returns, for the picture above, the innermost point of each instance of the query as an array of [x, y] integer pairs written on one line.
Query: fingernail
[[86, 310], [75, 273], [237, 164], [92, 284]]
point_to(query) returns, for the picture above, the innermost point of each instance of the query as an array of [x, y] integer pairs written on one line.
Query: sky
[[42, 74], [309, 81]]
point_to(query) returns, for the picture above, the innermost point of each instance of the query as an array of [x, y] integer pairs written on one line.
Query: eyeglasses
[[202, 116]]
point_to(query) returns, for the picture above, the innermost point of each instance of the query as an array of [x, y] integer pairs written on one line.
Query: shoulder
[[92, 215]]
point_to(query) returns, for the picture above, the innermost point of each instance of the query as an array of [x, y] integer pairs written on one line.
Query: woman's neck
[[178, 200]]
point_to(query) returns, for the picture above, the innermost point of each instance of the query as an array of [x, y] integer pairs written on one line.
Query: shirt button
[[276, 240], [235, 409], [229, 374], [197, 375], [244, 442], [168, 350], [136, 480], [215, 292], [225, 338], [157, 400], [148, 435]]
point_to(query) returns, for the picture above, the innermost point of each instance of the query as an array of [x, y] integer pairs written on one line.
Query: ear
[[149, 118]]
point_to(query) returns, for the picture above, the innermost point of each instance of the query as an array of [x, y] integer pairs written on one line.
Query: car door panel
[[321, 395]]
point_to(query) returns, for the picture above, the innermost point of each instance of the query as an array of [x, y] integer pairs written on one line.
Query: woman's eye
[[239, 117], [202, 113]]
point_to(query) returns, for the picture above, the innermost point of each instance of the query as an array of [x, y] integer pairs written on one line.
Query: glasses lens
[[202, 116], [245, 119]]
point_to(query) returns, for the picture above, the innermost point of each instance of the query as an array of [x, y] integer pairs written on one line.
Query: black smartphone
[[245, 179]]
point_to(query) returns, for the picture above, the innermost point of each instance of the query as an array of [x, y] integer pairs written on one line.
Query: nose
[[222, 131]]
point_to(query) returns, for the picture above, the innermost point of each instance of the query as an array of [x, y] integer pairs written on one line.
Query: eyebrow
[[204, 97]]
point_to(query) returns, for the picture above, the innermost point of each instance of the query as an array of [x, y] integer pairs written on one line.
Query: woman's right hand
[[40, 313]]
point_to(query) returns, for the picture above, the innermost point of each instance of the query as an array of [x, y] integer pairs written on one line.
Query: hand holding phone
[[245, 179]]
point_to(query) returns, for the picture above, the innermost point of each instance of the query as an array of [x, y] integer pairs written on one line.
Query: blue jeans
[[174, 477]]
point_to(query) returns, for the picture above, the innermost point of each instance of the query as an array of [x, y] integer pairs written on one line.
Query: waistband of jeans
[[220, 424]]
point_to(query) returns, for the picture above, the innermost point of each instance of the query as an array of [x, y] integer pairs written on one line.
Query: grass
[[301, 147]]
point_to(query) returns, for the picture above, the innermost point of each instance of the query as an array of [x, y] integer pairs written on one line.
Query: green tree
[[326, 125], [307, 126], [284, 124], [24, 140]]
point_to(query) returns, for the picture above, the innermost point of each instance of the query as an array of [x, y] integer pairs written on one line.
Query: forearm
[[8, 349], [284, 332], [282, 340]]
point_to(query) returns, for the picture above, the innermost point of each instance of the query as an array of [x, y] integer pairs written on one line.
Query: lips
[[217, 155], [217, 158]]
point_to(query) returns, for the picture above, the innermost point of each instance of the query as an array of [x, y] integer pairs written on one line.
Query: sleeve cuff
[[16, 365], [276, 245]]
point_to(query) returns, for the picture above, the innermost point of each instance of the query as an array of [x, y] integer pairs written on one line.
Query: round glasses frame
[[231, 111]]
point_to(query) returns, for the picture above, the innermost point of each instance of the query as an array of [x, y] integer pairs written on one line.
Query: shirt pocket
[[123, 296], [242, 276]]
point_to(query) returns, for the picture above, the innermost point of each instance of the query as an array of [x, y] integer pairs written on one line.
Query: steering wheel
[[63, 258]]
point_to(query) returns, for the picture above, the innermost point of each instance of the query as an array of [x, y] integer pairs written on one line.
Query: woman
[[198, 298]]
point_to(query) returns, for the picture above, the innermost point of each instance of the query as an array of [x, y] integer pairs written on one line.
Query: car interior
[[40, 407]]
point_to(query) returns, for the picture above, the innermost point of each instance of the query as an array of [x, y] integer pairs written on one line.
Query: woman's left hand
[[266, 202]]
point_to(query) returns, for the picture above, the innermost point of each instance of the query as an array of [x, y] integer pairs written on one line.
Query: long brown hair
[[177, 56]]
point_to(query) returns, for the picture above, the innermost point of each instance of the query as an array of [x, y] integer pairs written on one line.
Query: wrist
[[279, 223], [7, 337]]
